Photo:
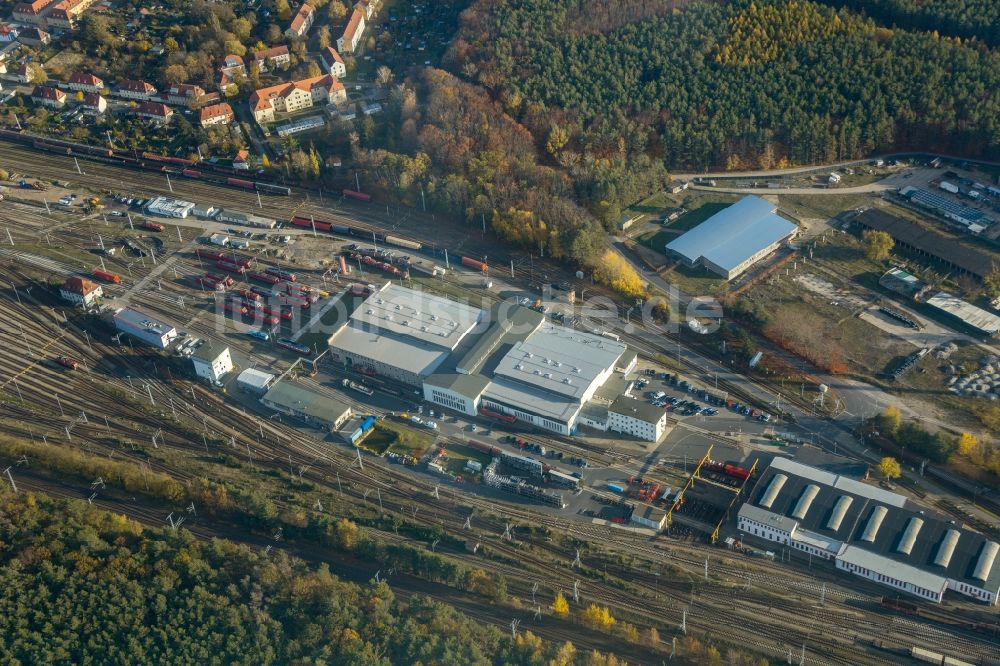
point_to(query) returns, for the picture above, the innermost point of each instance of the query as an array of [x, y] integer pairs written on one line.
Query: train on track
[[378, 237], [907, 607], [198, 170]]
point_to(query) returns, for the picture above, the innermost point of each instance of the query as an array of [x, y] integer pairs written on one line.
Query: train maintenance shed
[[870, 532]]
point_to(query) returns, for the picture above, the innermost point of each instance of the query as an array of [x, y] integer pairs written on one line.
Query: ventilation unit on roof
[[404, 323], [576, 370], [567, 380], [423, 328], [388, 317], [558, 364], [519, 367], [379, 301], [434, 317], [548, 375], [398, 306], [370, 311], [537, 371]]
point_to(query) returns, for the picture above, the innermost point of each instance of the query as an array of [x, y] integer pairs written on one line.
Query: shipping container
[[107, 276], [402, 242], [473, 263], [615, 488]]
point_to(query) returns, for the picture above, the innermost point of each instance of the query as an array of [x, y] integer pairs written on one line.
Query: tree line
[[960, 18], [80, 585]]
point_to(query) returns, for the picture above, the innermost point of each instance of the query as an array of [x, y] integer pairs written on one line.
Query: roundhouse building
[[870, 532]]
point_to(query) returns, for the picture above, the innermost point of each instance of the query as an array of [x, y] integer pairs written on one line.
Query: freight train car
[[474, 263], [210, 254], [296, 347], [359, 196], [151, 226], [264, 277], [280, 273], [268, 188], [309, 223], [489, 450], [230, 266], [107, 276], [239, 182]]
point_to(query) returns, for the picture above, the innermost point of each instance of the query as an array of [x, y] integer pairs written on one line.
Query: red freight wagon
[[107, 276], [360, 196]]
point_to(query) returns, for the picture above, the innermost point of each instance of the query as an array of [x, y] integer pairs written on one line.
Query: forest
[[84, 586], [957, 18], [730, 85]]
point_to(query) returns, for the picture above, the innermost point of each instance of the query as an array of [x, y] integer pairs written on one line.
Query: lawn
[[404, 440], [822, 205], [696, 216], [459, 454]]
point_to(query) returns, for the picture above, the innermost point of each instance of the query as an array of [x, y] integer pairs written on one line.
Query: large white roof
[[418, 315], [560, 360], [406, 353], [734, 234]]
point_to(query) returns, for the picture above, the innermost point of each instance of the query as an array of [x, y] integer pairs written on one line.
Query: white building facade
[[212, 362]]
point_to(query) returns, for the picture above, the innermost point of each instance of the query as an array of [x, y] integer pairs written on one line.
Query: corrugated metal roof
[[734, 234], [970, 314]]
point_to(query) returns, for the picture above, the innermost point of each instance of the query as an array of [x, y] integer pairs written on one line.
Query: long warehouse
[[506, 362], [870, 532]]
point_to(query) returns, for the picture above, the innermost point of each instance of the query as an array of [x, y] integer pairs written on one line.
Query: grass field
[[822, 205]]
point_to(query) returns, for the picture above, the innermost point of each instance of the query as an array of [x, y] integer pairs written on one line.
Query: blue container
[[615, 488], [367, 424]]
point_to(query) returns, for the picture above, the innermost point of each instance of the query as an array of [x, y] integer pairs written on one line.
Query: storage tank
[[343, 265]]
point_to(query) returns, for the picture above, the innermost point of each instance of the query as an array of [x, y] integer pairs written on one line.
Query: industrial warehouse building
[[870, 532], [403, 334], [254, 381], [167, 207], [735, 238], [145, 327], [976, 318], [316, 409], [506, 362]]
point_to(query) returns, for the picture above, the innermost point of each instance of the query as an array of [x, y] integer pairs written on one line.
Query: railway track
[[274, 445]]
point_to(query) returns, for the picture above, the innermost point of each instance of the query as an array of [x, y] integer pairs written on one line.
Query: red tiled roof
[[261, 99], [273, 52], [48, 92], [85, 79], [93, 100], [353, 24], [330, 56], [81, 286], [216, 110], [305, 11], [136, 86], [155, 109]]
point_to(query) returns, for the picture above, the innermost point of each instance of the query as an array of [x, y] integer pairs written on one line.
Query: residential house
[[216, 114], [23, 72], [301, 22], [48, 96], [66, 13], [274, 57], [232, 67], [155, 111], [242, 159], [8, 33], [332, 62], [31, 12], [85, 82], [184, 93], [296, 95], [134, 89], [94, 104], [34, 37], [81, 291], [348, 42]]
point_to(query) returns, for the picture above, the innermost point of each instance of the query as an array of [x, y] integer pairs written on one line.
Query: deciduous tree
[[889, 468], [878, 245]]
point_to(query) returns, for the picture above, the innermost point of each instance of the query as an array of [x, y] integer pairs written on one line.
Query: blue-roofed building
[[734, 239]]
